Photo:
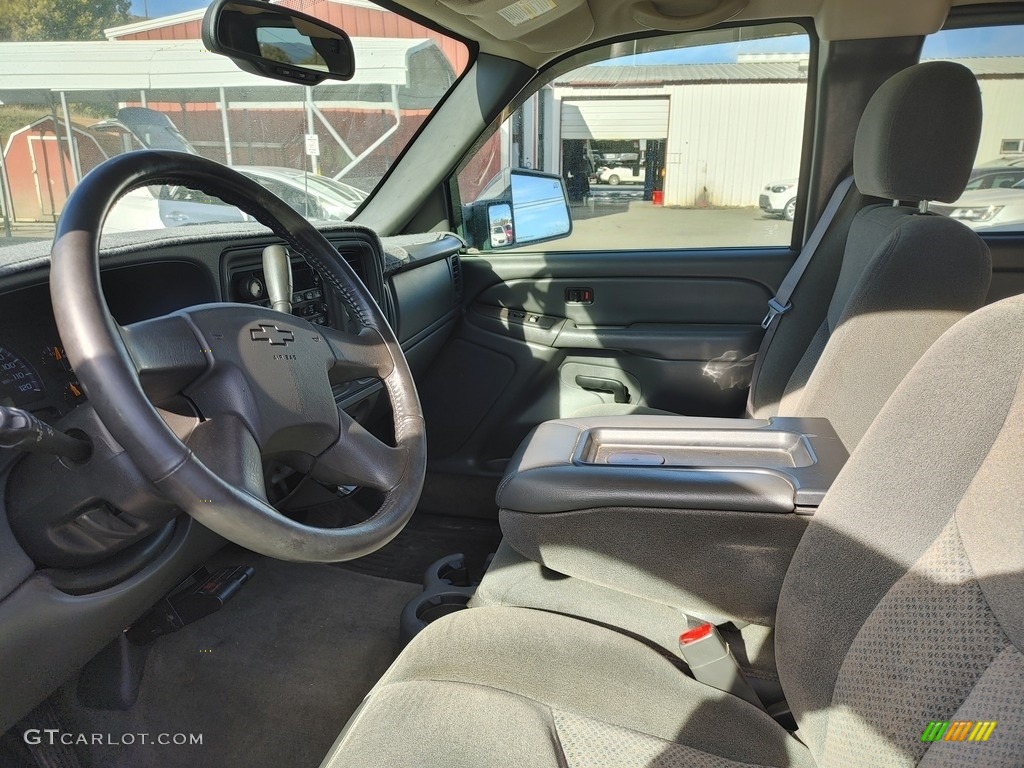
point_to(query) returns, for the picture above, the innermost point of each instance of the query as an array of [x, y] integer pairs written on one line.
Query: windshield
[[83, 81]]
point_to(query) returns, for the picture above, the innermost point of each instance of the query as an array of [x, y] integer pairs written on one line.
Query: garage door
[[615, 118]]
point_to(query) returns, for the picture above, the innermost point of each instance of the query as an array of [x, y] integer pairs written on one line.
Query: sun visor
[[845, 20]]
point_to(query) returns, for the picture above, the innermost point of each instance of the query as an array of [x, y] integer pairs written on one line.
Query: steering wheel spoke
[[229, 450], [358, 356], [167, 355], [359, 458]]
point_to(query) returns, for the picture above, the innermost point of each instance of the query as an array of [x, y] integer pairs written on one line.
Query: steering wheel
[[260, 379]]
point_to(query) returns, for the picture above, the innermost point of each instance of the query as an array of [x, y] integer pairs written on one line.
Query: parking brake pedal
[[198, 596]]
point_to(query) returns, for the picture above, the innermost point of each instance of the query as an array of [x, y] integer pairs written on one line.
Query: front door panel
[[548, 336]]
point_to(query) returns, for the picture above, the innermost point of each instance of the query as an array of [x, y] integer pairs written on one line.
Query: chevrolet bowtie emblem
[[273, 334]]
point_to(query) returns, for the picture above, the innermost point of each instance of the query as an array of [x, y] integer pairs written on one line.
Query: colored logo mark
[[958, 730]]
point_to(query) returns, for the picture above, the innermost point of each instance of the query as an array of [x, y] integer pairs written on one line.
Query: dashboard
[[417, 281], [34, 371]]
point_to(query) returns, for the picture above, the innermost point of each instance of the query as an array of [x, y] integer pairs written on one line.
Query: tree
[[34, 20], [274, 53]]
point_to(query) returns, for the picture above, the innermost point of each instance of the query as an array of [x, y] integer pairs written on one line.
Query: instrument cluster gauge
[[73, 392], [57, 357], [20, 385], [57, 360]]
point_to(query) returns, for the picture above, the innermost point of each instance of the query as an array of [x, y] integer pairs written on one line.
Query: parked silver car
[[315, 197], [974, 208], [986, 208]]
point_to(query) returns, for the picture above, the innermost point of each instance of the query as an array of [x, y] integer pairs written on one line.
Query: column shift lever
[[22, 431], [277, 271]]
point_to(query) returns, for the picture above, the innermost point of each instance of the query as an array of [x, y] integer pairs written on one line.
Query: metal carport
[[393, 74]]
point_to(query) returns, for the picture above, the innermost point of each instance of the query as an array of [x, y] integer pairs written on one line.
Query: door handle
[[609, 386]]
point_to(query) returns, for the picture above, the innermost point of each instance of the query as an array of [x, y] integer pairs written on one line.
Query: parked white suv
[[779, 199], [499, 236]]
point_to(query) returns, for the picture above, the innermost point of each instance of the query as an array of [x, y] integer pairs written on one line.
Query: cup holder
[[449, 571], [446, 589], [436, 606]]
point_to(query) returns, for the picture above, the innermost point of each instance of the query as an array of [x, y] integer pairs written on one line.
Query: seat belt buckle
[[775, 308], [711, 662]]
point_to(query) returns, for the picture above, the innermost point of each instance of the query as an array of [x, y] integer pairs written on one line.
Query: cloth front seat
[[904, 604], [906, 276]]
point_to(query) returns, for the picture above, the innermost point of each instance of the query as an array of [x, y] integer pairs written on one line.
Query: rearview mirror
[[527, 207], [275, 41]]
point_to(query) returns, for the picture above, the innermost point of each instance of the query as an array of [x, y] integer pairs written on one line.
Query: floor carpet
[[424, 540], [269, 681]]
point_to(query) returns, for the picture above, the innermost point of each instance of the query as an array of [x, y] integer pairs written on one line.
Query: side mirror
[[275, 41], [530, 207]]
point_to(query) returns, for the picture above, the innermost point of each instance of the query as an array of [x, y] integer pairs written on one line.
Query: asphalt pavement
[[25, 232], [618, 218]]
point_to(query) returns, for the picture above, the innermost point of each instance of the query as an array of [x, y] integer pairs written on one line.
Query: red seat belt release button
[[697, 633], [711, 662]]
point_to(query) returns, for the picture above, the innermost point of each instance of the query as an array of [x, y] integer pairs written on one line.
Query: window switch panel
[[579, 295]]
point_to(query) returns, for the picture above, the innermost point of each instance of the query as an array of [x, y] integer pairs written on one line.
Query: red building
[[357, 17]]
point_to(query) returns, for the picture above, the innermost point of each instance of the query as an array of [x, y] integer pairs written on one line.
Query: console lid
[[780, 465]]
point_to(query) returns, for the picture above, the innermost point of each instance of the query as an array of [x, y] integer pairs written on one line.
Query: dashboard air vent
[[354, 261], [455, 264]]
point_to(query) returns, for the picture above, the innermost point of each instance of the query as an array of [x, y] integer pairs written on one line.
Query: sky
[[719, 53], [155, 8], [961, 43]]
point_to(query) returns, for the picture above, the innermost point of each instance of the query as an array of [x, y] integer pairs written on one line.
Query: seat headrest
[[919, 134]]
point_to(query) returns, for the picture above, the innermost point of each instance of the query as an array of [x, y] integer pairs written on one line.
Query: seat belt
[[780, 304]]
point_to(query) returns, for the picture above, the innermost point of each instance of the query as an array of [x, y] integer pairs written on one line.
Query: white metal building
[[730, 129], [1002, 95]]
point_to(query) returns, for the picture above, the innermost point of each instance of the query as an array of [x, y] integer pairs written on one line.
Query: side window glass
[[994, 198], [683, 141]]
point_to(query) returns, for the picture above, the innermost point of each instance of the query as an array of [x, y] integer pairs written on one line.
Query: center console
[[647, 523], [652, 524]]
